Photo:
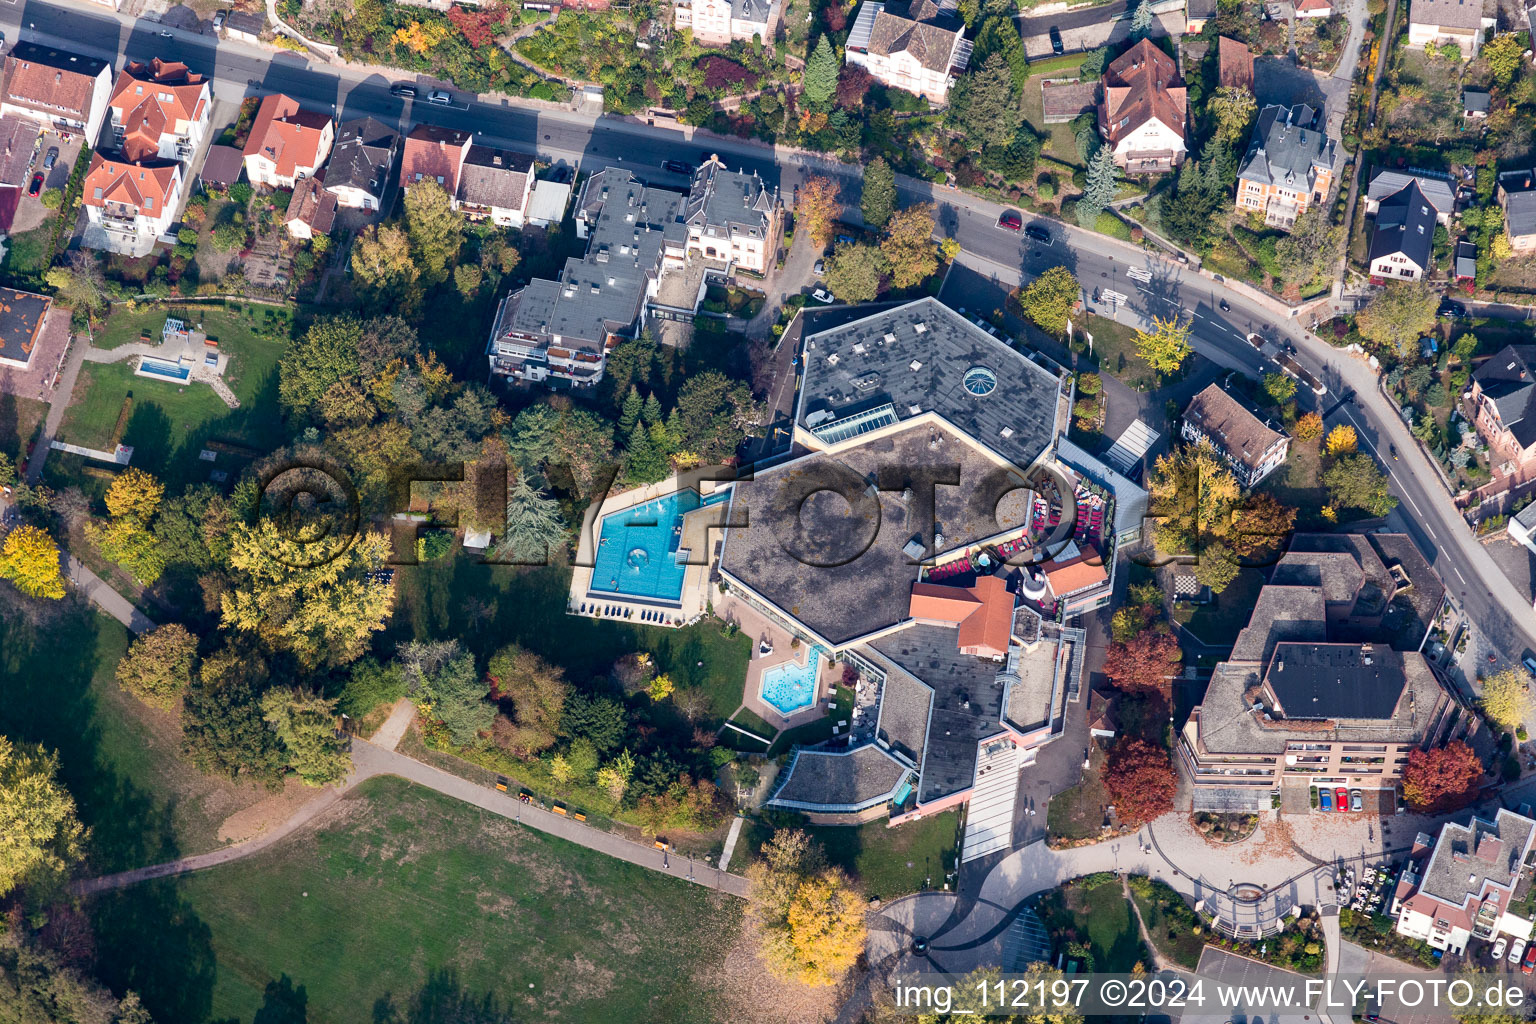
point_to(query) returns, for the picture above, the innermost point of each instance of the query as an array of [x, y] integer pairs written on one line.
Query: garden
[[1091, 919], [1378, 933], [887, 862]]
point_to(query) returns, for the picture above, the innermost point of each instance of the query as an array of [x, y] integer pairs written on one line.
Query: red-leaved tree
[[1140, 780], [852, 83], [1442, 779], [479, 26], [1143, 662], [833, 15]]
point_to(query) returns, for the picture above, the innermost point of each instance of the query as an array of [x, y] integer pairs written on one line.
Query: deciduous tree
[[1399, 316], [1311, 248], [907, 248], [159, 665], [1342, 440], [324, 356], [1048, 302], [1504, 57], [1280, 387], [305, 725], [818, 208], [1506, 698], [853, 272], [1441, 779], [1194, 498], [537, 690], [1146, 661], [1354, 481], [435, 228], [878, 200], [39, 833], [29, 558], [810, 921], [1232, 110], [1165, 346], [1309, 427], [384, 274], [1262, 526], [1140, 780], [223, 732], [448, 689]]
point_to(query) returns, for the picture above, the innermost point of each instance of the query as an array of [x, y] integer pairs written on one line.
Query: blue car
[[1325, 799]]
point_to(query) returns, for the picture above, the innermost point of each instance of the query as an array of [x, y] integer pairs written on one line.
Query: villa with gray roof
[[1325, 687], [1437, 189], [734, 220], [922, 55], [1289, 165], [1464, 886], [1403, 242], [1503, 402], [719, 22], [1517, 198]]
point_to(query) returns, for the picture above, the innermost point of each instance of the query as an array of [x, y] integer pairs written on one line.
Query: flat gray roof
[[839, 781], [1469, 857], [920, 357]]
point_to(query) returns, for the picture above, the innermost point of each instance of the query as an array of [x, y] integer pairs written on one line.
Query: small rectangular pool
[[790, 687], [160, 368], [637, 548]]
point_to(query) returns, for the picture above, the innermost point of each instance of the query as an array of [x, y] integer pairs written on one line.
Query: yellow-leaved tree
[[1341, 440], [39, 834], [808, 916], [1165, 346], [30, 559], [1507, 698]]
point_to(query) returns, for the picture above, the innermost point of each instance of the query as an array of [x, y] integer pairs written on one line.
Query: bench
[[662, 844], [579, 816], [501, 783], [558, 809]]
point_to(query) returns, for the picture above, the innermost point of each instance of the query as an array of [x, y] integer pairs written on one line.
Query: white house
[[129, 205], [718, 22], [360, 164], [733, 217], [1252, 447], [286, 142], [917, 56], [1448, 21], [1462, 886], [1403, 245], [58, 89], [494, 185], [160, 110], [1144, 114]]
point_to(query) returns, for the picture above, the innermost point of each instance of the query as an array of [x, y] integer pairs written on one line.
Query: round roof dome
[[980, 381]]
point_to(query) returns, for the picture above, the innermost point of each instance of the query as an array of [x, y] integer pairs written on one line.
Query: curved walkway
[[370, 759]]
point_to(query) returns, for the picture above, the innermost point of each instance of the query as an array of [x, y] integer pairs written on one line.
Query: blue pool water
[[637, 548], [160, 368], [790, 687]]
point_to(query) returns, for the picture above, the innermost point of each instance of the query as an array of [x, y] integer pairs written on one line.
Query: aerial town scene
[[767, 511]]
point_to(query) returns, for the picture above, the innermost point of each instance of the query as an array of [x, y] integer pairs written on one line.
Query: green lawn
[[19, 419], [888, 862], [1114, 346], [1299, 483], [1169, 921], [170, 423], [1058, 140], [1078, 812], [403, 889], [1094, 911], [26, 253], [1220, 621]]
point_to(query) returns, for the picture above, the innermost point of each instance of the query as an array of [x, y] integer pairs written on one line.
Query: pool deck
[[756, 627], [697, 526]]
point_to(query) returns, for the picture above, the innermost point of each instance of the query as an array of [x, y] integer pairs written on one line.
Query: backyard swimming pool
[[149, 367], [637, 548], [790, 687]]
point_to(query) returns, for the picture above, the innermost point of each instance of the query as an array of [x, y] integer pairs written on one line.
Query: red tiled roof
[[983, 612], [152, 99], [1235, 63], [144, 189], [430, 153], [1141, 85], [1079, 573], [286, 135], [313, 205], [1307, 6]]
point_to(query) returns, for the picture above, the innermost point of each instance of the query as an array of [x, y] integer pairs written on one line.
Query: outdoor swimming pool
[[790, 687], [637, 548], [161, 368]]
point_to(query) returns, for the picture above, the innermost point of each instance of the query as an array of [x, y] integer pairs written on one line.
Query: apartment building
[[60, 90], [1252, 445], [1462, 886], [127, 205], [1289, 164], [286, 142], [160, 110]]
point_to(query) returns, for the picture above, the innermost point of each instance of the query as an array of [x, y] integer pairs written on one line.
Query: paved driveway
[[1090, 29]]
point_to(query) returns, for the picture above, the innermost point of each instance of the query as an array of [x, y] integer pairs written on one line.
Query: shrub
[[240, 193], [52, 199]]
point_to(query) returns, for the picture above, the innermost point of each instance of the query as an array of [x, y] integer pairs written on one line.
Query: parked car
[[820, 267], [403, 89], [218, 20], [36, 186], [51, 159], [1515, 949], [1325, 799], [1450, 309], [676, 167], [1499, 945], [1039, 234], [1356, 800], [166, 33], [441, 97], [1528, 965], [1057, 46], [1010, 220], [1342, 796], [822, 295]]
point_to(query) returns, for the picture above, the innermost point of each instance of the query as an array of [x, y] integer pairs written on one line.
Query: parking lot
[[31, 212]]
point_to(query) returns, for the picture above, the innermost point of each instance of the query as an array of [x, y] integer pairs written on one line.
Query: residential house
[[1437, 189], [243, 27], [286, 142], [718, 22], [1314, 8], [1289, 165], [921, 57], [1475, 103], [311, 211], [1253, 446], [160, 111], [1143, 111], [1522, 526], [221, 167], [59, 90], [1403, 243], [434, 154], [22, 316], [1517, 198], [1196, 14], [733, 217], [1323, 689], [1503, 404], [561, 331], [1463, 886], [129, 205], [1234, 64], [495, 185], [1448, 21], [548, 203], [360, 164]]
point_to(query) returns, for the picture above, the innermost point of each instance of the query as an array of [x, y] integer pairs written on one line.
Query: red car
[[36, 186], [1528, 965], [1341, 798], [1010, 220]]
